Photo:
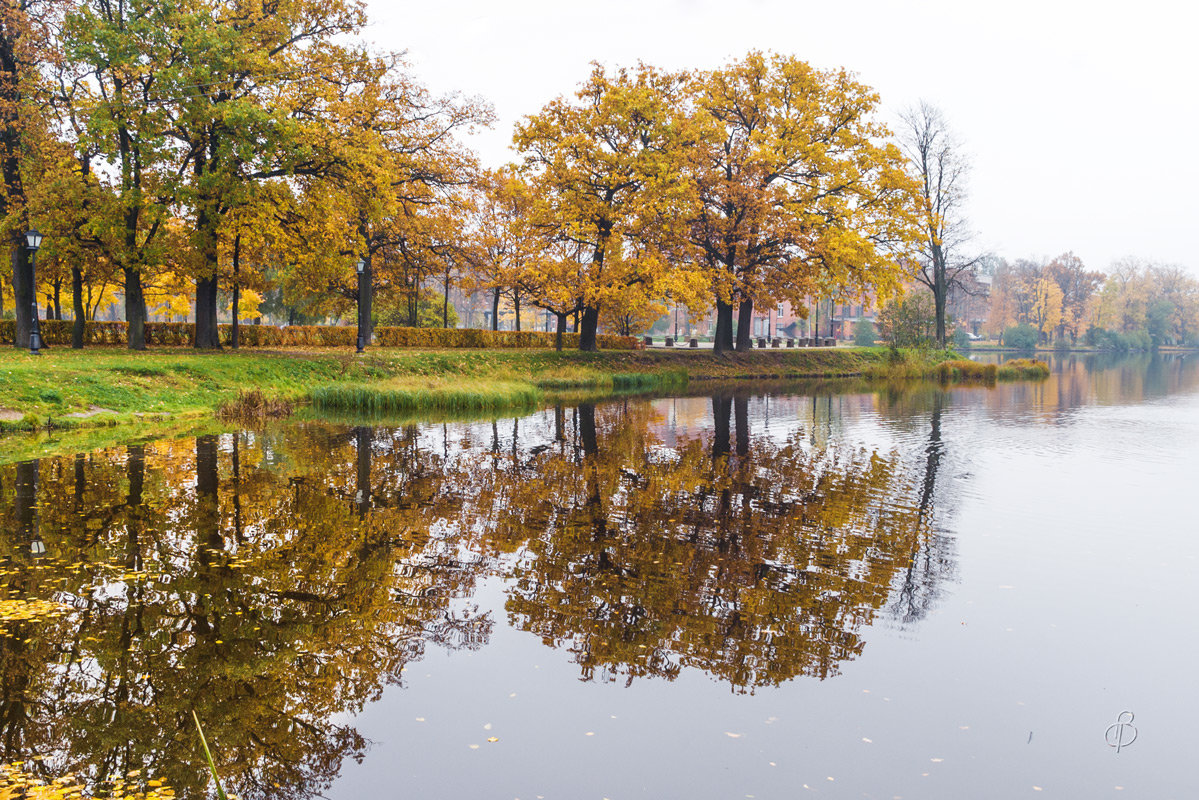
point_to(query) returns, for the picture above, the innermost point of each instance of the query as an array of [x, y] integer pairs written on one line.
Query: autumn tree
[[394, 194], [607, 169], [118, 98], [1046, 312], [937, 162], [506, 244], [25, 41], [1078, 286], [797, 194]]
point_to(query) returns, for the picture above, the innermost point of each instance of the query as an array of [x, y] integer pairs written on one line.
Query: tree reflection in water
[[273, 582], [756, 563]]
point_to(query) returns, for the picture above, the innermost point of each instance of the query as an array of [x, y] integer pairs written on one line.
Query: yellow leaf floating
[[16, 783], [23, 610]]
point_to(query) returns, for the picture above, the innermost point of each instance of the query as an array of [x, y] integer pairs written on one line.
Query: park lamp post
[[363, 303], [33, 240]]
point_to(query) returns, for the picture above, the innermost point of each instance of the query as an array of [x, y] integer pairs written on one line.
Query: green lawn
[[96, 386]]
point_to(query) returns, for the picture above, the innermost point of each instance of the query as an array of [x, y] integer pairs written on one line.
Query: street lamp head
[[361, 265], [33, 239]]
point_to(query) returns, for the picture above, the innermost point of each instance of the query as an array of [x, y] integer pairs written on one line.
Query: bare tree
[[937, 162]]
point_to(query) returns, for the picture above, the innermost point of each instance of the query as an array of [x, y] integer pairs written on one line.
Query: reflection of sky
[[1069, 504]]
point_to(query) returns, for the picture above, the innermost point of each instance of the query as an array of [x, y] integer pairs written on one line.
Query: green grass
[[64, 390], [1023, 369], [220, 793], [964, 371], [114, 386], [403, 397]]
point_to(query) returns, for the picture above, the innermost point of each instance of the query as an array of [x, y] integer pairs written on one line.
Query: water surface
[[909, 592]]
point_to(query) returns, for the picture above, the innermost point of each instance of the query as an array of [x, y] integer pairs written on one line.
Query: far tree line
[[198, 159]]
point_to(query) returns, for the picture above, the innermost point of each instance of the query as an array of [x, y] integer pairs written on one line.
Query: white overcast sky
[[1081, 118]]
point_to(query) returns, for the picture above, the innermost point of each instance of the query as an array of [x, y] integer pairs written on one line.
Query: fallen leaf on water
[[493, 739], [732, 735]]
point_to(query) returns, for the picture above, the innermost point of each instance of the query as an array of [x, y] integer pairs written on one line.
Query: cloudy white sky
[[1081, 118]]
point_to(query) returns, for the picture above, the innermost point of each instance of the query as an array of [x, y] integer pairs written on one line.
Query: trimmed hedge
[[182, 334]]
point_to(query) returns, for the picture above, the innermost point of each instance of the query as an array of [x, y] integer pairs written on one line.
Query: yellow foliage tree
[[798, 196], [608, 173], [1047, 307]]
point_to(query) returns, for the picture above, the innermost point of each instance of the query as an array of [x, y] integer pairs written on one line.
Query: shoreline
[[100, 396]]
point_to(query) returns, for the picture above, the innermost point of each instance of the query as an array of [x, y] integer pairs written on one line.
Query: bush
[[863, 333], [961, 340], [1021, 337], [1119, 342], [182, 334], [908, 321]]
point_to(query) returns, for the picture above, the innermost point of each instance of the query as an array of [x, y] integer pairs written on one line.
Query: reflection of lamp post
[[364, 303], [33, 240]]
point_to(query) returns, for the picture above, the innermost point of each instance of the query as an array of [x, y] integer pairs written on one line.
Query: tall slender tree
[[937, 162]]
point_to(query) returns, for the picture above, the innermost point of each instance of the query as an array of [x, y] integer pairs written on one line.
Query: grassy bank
[[63, 389]]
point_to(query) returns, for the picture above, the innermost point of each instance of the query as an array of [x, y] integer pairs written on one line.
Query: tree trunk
[[516, 308], [207, 333], [587, 331], [587, 433], [495, 309], [22, 285], [208, 482], [58, 299], [561, 330], [722, 409], [724, 327], [25, 497], [741, 424], [77, 307], [233, 332], [745, 318], [939, 302], [445, 302], [940, 293], [135, 310]]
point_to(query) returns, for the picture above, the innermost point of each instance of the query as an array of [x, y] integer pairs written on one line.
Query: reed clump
[[620, 382], [963, 371], [400, 399], [254, 406], [1023, 369]]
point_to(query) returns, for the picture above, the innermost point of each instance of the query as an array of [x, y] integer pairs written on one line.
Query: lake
[[749, 591]]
